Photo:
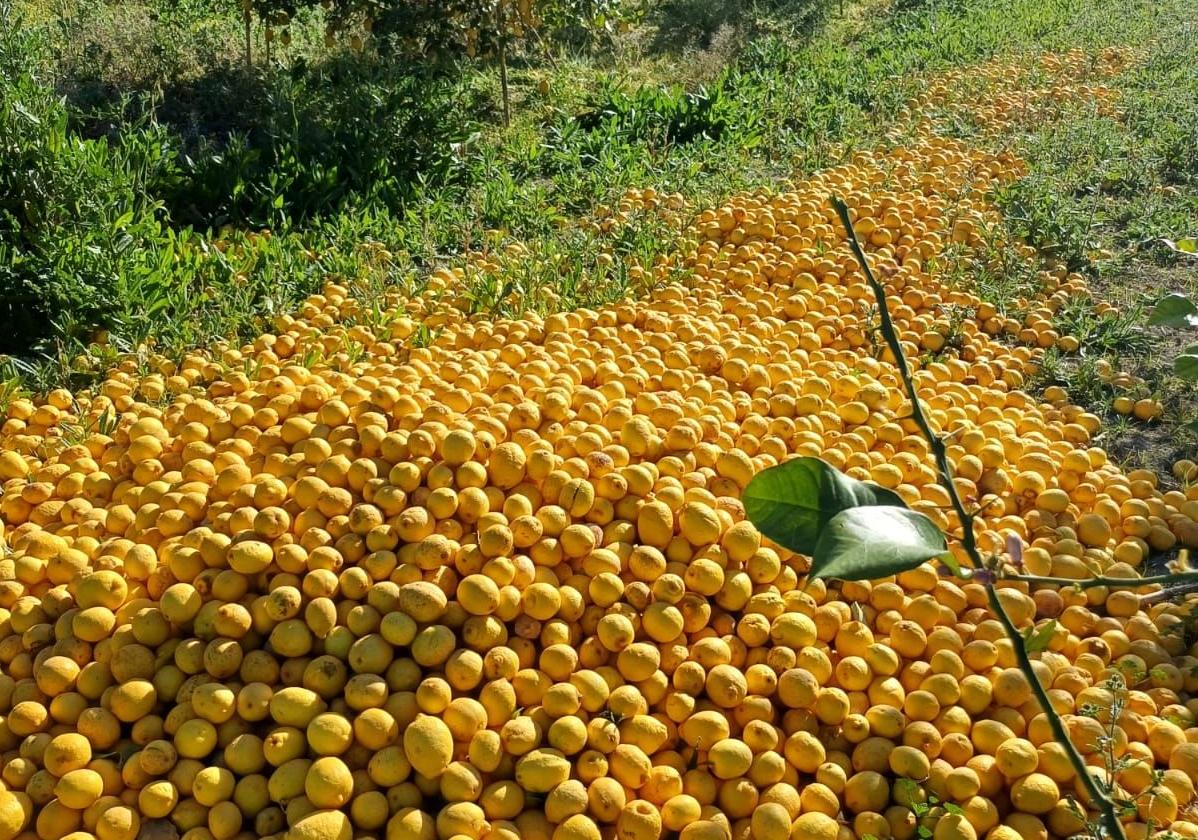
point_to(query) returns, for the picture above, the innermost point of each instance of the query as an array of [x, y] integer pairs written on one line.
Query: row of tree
[[476, 29]]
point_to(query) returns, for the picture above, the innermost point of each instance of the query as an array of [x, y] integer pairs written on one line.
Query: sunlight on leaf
[[1186, 365], [793, 502], [1187, 246], [866, 543], [1174, 310], [1037, 639]]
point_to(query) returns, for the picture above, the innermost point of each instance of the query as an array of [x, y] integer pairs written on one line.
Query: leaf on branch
[[793, 502], [1174, 310], [866, 543], [1036, 639], [949, 562]]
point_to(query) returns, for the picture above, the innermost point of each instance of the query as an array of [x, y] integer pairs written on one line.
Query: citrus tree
[[473, 29]]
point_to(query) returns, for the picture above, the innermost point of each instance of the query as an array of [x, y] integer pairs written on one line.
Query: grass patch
[[1105, 190]]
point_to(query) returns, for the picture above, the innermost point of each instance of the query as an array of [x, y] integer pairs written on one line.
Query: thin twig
[[1111, 582], [1168, 594], [935, 441], [1099, 797]]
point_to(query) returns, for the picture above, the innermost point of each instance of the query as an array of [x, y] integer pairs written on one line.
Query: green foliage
[[466, 27], [318, 139], [1042, 216], [105, 50], [866, 543], [1179, 312], [483, 27], [1037, 639], [1187, 246], [1114, 334], [87, 248], [851, 529], [671, 116], [1113, 193], [1174, 310], [154, 111], [75, 214], [794, 501], [1186, 365], [1129, 180]]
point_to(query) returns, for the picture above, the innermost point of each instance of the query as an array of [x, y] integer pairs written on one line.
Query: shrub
[[75, 216]]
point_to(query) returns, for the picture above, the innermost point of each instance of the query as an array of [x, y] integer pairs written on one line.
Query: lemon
[[428, 745]]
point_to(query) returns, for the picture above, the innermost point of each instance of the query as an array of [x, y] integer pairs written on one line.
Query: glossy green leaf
[[866, 543], [1186, 365], [1174, 310], [793, 502]]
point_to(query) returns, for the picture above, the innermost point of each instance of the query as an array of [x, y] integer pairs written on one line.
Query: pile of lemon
[[497, 583], [990, 98]]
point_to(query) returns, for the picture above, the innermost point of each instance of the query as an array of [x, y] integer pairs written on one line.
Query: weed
[[74, 434], [1112, 334], [1107, 186], [424, 336]]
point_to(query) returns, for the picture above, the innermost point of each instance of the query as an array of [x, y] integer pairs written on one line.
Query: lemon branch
[[1111, 582], [935, 440], [1101, 799]]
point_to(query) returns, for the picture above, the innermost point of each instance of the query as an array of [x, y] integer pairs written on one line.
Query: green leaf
[[1188, 246], [1174, 310], [866, 543], [949, 562], [26, 114], [1186, 366], [1036, 639], [793, 502]]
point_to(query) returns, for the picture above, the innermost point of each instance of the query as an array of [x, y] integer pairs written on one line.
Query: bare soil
[[1155, 445]]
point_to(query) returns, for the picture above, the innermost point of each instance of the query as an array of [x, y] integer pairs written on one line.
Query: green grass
[[151, 156], [1103, 193], [1119, 183]]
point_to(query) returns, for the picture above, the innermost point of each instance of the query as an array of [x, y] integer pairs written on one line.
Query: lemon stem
[[1111, 582], [1111, 825]]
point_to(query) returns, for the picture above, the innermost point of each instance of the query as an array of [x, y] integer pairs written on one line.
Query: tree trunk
[[506, 93], [249, 58], [507, 97]]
